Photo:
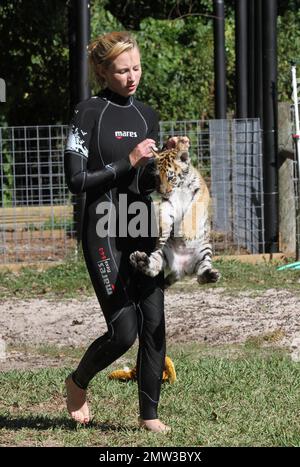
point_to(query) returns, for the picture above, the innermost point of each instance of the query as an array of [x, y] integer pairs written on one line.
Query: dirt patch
[[48, 246], [211, 316]]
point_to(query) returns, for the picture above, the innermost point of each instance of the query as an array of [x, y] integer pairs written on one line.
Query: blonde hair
[[104, 49]]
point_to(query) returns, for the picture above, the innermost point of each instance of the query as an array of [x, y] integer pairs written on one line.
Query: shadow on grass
[[45, 423]]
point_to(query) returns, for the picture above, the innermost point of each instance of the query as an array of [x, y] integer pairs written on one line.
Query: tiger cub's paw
[[209, 275], [140, 260]]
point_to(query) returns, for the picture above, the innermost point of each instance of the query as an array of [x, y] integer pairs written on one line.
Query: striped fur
[[183, 246]]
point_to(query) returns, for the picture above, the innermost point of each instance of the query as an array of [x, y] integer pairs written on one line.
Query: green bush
[[177, 55], [288, 49], [178, 71]]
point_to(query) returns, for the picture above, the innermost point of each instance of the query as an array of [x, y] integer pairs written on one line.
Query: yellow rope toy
[[169, 373]]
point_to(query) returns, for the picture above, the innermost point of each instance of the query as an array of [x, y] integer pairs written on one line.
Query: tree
[[34, 54], [176, 39], [132, 13]]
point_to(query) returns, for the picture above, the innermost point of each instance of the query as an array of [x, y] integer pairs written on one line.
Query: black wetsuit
[[103, 132]]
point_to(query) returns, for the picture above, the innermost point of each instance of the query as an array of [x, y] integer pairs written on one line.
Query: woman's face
[[124, 73]]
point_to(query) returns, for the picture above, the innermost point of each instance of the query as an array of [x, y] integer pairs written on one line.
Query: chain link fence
[[229, 155], [36, 220], [36, 212]]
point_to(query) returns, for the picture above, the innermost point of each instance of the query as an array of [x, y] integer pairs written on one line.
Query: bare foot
[[154, 425], [76, 402]]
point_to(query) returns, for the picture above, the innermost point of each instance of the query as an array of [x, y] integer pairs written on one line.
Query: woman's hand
[[142, 153]]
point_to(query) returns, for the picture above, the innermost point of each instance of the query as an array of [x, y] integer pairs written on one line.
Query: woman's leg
[[101, 353], [152, 350], [108, 269], [121, 334]]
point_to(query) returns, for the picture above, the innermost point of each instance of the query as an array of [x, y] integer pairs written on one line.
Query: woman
[[108, 156]]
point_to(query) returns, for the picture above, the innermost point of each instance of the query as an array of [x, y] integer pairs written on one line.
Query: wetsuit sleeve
[[147, 173], [78, 177]]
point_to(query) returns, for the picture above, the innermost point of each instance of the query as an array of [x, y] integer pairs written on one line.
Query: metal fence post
[[79, 36]]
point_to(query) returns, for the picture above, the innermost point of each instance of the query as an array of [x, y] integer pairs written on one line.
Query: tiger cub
[[183, 246]]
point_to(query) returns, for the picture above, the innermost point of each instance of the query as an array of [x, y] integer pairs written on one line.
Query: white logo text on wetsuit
[[125, 134], [105, 270]]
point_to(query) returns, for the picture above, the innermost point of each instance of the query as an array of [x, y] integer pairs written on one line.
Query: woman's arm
[[78, 177]]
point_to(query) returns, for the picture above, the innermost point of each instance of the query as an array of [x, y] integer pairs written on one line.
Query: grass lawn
[[71, 279], [224, 396], [244, 396]]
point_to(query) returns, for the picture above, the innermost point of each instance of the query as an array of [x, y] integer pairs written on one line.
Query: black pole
[[258, 86], [258, 76], [251, 59], [72, 58], [83, 38], [79, 37], [270, 143], [241, 59], [219, 60]]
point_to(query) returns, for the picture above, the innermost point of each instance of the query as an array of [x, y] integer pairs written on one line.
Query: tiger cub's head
[[172, 165]]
